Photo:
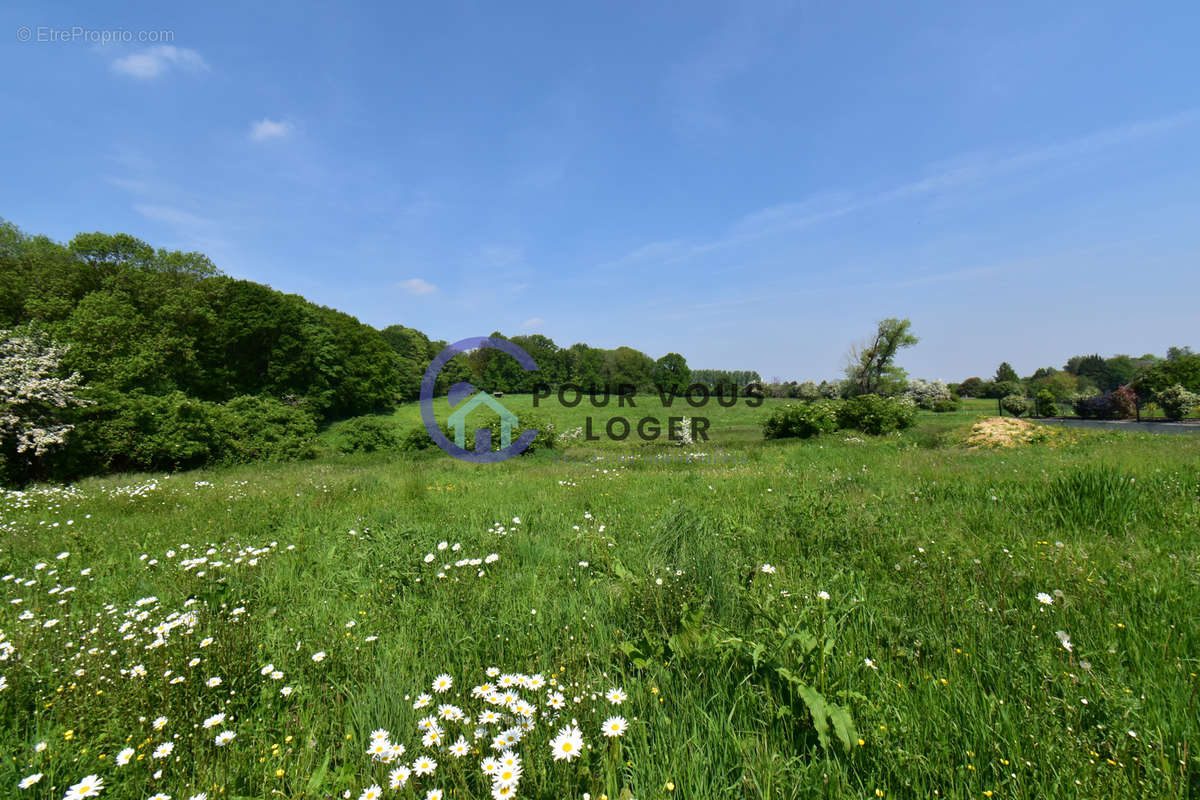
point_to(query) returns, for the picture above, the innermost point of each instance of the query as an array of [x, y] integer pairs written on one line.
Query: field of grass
[[844, 617]]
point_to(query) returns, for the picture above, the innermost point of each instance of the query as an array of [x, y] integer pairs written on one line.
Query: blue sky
[[750, 184]]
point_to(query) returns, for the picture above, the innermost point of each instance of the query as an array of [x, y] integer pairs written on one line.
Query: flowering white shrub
[[32, 395], [927, 393]]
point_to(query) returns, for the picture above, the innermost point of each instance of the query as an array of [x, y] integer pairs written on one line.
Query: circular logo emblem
[[465, 398]]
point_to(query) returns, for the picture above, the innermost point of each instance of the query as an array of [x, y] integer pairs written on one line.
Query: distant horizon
[[751, 187]]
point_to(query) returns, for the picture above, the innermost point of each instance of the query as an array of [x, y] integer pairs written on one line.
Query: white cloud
[[266, 129], [155, 61], [532, 323], [418, 286]]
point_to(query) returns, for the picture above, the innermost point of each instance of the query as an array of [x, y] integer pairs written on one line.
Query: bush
[[1125, 400], [876, 415], [266, 429], [948, 404], [802, 421], [136, 431], [367, 435], [927, 394], [418, 439], [1047, 405], [1015, 404], [1177, 402], [1118, 404], [546, 438]]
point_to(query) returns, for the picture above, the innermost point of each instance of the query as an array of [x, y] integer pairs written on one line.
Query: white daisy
[[614, 726]]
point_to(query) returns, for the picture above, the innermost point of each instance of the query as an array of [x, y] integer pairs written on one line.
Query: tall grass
[[651, 577]]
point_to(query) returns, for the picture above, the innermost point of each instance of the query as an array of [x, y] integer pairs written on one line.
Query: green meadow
[[841, 617]]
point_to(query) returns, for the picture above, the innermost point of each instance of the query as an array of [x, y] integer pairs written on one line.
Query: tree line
[[171, 356]]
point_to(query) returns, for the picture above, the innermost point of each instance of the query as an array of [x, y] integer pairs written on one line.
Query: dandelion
[[30, 780], [614, 727]]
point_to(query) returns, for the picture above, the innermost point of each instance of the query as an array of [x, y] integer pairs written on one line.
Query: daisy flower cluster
[[486, 736], [162, 664], [479, 564]]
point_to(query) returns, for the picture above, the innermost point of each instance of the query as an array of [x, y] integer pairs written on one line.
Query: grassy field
[[840, 617]]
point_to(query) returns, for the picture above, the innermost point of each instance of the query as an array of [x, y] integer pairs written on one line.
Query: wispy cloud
[[171, 216], [532, 323], [154, 62], [267, 129], [694, 86], [417, 286], [965, 173]]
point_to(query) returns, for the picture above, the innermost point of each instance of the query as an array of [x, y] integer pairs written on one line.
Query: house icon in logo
[[483, 436]]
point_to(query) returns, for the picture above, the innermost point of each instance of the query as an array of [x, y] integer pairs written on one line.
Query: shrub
[[367, 435], [266, 429], [876, 415], [948, 404], [418, 439], [1177, 402], [136, 431], [803, 420], [807, 391], [546, 438], [1015, 404], [1046, 403], [926, 394], [1125, 401], [1118, 404]]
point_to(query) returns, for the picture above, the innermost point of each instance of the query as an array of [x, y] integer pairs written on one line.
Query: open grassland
[[840, 617]]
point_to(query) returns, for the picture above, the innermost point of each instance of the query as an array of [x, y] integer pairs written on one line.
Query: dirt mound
[[1007, 432]]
